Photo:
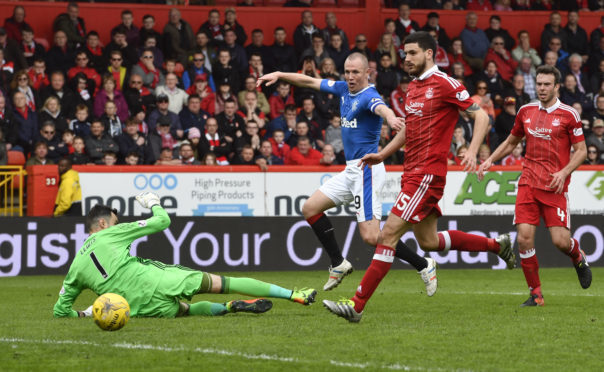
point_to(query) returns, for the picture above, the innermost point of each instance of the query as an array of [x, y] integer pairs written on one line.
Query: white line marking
[[132, 346]]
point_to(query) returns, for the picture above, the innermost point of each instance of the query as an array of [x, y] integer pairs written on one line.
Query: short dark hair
[[92, 33], [495, 17], [126, 11], [549, 70], [423, 40], [148, 16], [279, 29], [257, 31], [97, 212]]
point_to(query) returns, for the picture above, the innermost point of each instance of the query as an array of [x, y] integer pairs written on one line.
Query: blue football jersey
[[360, 125]]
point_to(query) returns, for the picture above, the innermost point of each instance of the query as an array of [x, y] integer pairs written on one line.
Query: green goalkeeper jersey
[[104, 264]]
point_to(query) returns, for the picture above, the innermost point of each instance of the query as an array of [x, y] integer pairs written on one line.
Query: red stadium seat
[[15, 158], [42, 41], [325, 3], [226, 2]]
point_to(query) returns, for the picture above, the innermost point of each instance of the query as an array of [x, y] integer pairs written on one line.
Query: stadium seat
[[42, 41], [15, 158], [226, 2], [351, 3]]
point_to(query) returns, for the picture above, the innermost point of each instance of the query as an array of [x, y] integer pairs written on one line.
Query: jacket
[[69, 192]]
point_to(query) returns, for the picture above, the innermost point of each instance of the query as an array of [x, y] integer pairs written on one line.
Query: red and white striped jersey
[[549, 133], [431, 111]]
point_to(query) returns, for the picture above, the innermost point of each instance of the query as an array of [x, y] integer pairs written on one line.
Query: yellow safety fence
[[12, 183]]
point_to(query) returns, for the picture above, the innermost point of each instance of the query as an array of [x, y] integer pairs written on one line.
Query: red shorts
[[532, 203], [419, 197]]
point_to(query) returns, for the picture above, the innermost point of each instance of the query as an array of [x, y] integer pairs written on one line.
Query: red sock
[[574, 252], [379, 267], [530, 267], [461, 241]]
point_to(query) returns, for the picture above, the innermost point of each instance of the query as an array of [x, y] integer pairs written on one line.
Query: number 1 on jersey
[[98, 265]]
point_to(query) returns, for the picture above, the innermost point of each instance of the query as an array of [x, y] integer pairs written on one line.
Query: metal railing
[[11, 190]]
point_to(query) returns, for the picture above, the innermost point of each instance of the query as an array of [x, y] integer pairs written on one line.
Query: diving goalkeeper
[[154, 289]]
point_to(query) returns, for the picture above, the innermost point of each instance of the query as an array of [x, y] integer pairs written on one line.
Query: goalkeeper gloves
[[147, 199]]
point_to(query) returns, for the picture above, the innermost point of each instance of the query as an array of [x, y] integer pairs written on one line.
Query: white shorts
[[360, 186]]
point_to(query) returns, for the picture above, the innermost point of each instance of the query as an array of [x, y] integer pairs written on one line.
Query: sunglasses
[[162, 101], [198, 60], [592, 152], [82, 59], [497, 43], [23, 79], [361, 41], [481, 88], [147, 57], [49, 132], [116, 59]]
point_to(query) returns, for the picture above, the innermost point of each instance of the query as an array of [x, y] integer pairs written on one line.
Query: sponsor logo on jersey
[[556, 122], [429, 93], [142, 223], [578, 131], [540, 133], [349, 124], [355, 104], [415, 108], [331, 83], [463, 95], [342, 100], [527, 121]]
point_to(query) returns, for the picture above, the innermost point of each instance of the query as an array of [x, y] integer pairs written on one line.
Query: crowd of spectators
[[174, 96]]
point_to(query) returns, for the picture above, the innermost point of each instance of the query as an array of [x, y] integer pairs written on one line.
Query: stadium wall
[[282, 190], [43, 246], [369, 20]]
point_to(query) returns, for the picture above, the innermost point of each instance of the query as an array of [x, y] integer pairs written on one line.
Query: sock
[[406, 254], [574, 252], [461, 241], [530, 267], [379, 267], [254, 288], [324, 231], [207, 308]]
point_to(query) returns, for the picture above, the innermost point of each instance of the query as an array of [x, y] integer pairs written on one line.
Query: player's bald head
[[354, 57]]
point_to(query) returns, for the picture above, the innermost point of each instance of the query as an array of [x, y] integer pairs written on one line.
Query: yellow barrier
[[11, 190]]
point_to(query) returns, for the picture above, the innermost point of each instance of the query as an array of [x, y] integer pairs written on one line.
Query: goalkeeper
[[154, 289]]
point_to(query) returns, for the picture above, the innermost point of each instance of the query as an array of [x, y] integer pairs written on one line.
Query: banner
[[45, 246], [283, 193]]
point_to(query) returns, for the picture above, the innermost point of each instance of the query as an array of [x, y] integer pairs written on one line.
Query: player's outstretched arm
[[397, 142], [481, 126], [299, 80], [505, 148], [67, 296], [577, 158], [390, 117]]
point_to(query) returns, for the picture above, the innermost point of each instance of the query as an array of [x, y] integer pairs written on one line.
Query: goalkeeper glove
[[147, 199]]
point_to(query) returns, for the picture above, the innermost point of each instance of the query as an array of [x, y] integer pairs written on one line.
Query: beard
[[418, 69]]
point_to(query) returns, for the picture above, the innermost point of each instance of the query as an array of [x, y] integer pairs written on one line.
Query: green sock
[[254, 288], [207, 308]]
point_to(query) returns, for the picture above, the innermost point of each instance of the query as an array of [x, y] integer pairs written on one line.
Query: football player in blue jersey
[[362, 111]]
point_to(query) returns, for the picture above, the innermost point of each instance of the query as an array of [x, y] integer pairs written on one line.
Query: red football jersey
[[431, 112], [549, 134]]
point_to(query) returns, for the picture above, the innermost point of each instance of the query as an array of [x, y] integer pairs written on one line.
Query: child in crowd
[[67, 138], [78, 156], [80, 125]]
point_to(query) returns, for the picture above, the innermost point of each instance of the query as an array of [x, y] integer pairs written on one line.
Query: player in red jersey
[[431, 109], [550, 128]]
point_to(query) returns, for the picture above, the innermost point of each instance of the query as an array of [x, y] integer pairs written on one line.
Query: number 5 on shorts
[[401, 201]]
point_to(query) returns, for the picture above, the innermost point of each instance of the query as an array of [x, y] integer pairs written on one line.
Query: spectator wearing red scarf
[[152, 76]]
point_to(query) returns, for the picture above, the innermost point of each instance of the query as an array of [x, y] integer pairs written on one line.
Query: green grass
[[474, 322]]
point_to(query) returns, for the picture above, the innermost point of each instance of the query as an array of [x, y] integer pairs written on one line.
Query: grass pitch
[[473, 323]]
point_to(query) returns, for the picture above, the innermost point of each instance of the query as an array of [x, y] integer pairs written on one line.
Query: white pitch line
[[557, 294], [130, 346]]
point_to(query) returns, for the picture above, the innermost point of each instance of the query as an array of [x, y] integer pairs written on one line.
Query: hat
[[201, 77], [509, 101], [598, 123], [433, 15], [194, 133], [2, 31], [163, 120], [162, 98]]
